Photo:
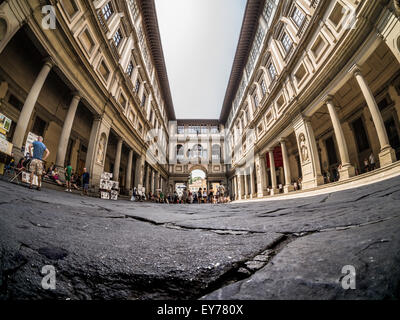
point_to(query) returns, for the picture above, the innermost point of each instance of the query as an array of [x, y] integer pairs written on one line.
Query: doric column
[[286, 168], [246, 187], [239, 187], [66, 131], [152, 181], [387, 154], [117, 162], [139, 171], [274, 189], [29, 105], [347, 170], [261, 173], [252, 184], [235, 188], [129, 171]]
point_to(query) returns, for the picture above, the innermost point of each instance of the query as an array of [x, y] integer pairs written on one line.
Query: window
[[143, 100], [180, 152], [214, 129], [263, 88], [107, 11], [298, 17], [117, 38], [181, 129], [268, 9], [272, 71], [129, 69], [134, 8], [137, 86], [216, 152], [204, 129], [286, 42]]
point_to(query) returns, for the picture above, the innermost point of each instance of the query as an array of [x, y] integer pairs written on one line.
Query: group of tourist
[[187, 196], [34, 162]]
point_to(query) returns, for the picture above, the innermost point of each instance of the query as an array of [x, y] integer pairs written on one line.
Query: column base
[[18, 154], [288, 188], [273, 191], [347, 172], [387, 156], [61, 173], [318, 181]]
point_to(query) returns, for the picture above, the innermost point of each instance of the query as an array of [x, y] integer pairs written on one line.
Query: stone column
[[66, 131], [347, 170], [387, 154], [128, 180], [157, 184], [274, 189], [286, 168], [117, 162], [139, 171], [235, 188], [252, 184], [246, 187], [152, 181], [261, 173], [239, 187], [29, 105]]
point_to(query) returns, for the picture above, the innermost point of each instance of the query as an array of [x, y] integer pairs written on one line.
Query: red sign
[[278, 159]]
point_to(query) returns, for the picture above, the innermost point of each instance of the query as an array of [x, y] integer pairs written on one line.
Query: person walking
[[36, 165], [68, 176]]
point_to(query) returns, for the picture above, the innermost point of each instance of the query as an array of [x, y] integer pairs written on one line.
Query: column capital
[[283, 140], [355, 70], [49, 61], [328, 99], [76, 94]]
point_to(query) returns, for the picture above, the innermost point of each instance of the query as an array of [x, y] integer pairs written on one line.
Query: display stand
[[108, 189]]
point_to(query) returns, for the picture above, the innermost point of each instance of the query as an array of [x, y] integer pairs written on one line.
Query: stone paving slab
[[260, 250]]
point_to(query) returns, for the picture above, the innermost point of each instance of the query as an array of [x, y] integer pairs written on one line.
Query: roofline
[[150, 23], [247, 34], [198, 121]]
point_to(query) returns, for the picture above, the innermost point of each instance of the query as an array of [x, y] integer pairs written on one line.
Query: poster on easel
[[29, 140], [26, 178]]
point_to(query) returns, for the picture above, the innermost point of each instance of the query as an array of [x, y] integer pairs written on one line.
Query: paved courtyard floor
[[282, 249]]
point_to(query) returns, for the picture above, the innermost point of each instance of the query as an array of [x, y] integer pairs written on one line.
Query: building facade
[[315, 89], [314, 92], [93, 84]]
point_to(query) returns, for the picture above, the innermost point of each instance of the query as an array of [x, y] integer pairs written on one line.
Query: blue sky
[[199, 39]]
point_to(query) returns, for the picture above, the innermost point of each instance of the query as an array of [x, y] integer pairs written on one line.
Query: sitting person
[[55, 177], [75, 181], [10, 165]]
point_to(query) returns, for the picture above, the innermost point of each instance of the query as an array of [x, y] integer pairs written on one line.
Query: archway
[[197, 178]]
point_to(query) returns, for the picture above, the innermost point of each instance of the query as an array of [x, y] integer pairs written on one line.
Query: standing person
[[371, 161], [85, 181], [68, 176], [36, 165], [366, 165], [199, 195]]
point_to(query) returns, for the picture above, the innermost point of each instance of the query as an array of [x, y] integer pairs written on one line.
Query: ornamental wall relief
[[303, 147], [101, 149]]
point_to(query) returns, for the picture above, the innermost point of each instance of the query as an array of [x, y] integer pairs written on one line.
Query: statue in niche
[[101, 149], [303, 147]]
